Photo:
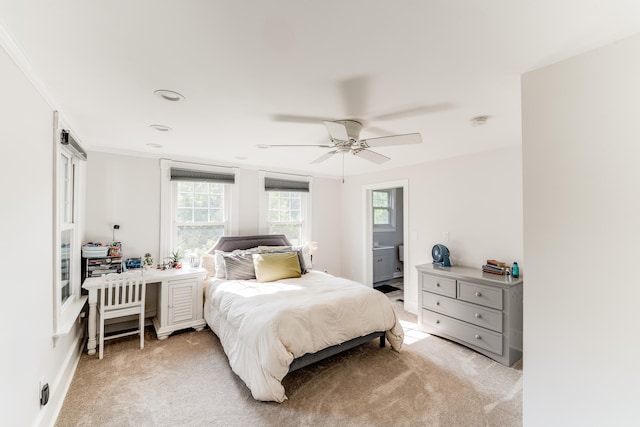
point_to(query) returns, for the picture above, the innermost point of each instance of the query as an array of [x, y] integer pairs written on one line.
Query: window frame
[[391, 225], [168, 203], [305, 205], [68, 217]]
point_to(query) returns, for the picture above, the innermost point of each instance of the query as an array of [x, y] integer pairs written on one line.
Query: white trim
[[263, 203], [232, 199], [15, 52], [367, 255], [65, 314]]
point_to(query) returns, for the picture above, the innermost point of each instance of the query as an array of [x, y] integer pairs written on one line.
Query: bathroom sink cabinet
[[383, 264]]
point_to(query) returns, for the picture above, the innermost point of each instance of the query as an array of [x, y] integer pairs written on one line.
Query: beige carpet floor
[[186, 380]]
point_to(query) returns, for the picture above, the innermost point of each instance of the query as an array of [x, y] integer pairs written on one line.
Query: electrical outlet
[[43, 391]]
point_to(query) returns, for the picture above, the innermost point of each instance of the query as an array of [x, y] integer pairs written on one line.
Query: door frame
[[367, 254]]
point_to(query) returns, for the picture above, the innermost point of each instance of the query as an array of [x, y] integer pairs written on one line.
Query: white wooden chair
[[122, 295]]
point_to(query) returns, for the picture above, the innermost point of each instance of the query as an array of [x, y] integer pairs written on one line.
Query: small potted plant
[[148, 261], [176, 255]]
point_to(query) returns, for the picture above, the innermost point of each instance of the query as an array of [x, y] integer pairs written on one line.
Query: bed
[[269, 328]]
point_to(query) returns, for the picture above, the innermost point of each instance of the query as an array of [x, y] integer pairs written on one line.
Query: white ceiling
[[242, 64]]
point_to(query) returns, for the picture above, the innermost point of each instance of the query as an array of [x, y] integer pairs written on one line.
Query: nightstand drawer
[[475, 314], [461, 331], [479, 294], [439, 285]]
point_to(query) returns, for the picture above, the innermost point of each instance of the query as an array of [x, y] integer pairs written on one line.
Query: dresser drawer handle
[[478, 337], [437, 322], [478, 315], [478, 294], [437, 285], [437, 302]]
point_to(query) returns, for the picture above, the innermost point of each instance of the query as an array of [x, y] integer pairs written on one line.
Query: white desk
[[180, 301]]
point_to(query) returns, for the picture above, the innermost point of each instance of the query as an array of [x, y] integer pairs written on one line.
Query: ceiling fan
[[345, 139], [344, 134]]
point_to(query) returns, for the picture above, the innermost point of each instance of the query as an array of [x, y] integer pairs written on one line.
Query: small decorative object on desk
[[148, 261], [115, 249], [495, 267], [176, 255], [515, 270]]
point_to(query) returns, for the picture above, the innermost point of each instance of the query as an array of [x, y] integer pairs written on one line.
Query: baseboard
[[398, 274], [60, 385]]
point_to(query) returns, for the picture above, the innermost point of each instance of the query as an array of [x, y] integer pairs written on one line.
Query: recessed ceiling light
[[241, 158], [161, 128], [154, 145], [262, 146], [169, 95], [479, 120]]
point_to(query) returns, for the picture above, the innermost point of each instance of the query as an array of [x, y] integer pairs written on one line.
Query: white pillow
[[209, 264], [306, 255]]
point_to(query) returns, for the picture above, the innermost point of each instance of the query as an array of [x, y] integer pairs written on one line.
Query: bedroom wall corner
[[26, 331], [581, 229]]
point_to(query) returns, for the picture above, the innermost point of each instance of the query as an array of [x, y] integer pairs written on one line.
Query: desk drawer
[[479, 294], [439, 285], [475, 314], [440, 324]]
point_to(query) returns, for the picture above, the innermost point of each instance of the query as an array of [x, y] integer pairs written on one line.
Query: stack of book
[[495, 267]]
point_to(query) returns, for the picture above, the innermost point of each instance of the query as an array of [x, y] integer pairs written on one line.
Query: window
[[199, 216], [383, 213], [287, 209], [198, 211], [67, 226], [67, 296]]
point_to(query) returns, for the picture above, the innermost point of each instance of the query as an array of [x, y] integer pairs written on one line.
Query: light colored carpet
[[186, 380]]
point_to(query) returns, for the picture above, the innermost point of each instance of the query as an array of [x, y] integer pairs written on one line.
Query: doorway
[[386, 242]]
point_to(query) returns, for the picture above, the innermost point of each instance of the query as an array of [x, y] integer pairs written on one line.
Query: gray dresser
[[482, 311]]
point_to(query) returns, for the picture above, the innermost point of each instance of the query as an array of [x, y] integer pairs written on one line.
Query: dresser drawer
[[440, 324], [479, 294], [439, 285], [475, 314]]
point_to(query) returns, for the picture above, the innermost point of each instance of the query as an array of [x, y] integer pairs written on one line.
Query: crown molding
[[15, 52]]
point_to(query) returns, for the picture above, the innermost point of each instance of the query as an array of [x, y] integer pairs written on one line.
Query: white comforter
[[264, 326]]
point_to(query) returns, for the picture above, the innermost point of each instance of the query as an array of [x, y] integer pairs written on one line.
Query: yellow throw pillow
[[276, 266]]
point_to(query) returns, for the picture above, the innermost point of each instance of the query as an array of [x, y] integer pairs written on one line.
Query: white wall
[[477, 199], [26, 319], [125, 190], [581, 146]]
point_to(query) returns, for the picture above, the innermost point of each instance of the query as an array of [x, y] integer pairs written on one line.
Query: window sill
[[69, 317], [383, 230]]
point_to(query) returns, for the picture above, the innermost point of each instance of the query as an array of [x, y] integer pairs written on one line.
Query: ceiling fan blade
[[298, 119], [383, 141], [324, 157], [337, 130], [372, 156], [409, 112], [297, 145], [355, 95]]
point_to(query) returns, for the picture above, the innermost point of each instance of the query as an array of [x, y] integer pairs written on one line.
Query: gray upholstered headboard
[[230, 243]]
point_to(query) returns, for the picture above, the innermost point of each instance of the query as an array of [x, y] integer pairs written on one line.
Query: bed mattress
[[264, 326]]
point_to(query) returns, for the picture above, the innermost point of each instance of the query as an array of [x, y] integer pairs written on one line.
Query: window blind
[[179, 174], [72, 144], [275, 184]]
